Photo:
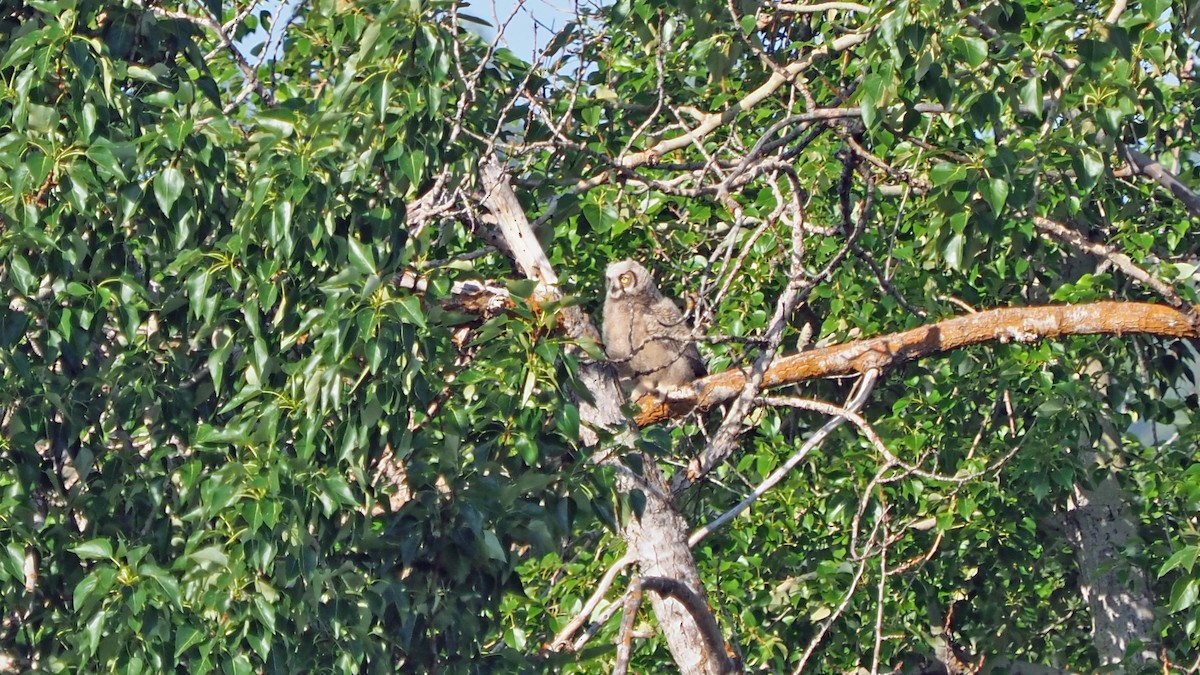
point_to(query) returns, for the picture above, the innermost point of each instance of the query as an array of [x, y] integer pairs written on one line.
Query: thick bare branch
[[817, 8], [1016, 324], [698, 608], [657, 537]]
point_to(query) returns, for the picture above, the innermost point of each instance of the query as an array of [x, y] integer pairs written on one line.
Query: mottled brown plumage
[[645, 334]]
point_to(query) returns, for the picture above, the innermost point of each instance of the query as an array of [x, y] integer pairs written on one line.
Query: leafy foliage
[[233, 440], [202, 337]]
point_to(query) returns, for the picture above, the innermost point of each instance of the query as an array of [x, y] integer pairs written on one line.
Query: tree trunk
[[1099, 526], [656, 537]]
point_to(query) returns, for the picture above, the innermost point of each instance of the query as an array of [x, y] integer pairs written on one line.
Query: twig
[[713, 121], [596, 626], [633, 602], [837, 612], [1109, 253], [563, 638], [798, 287], [205, 21], [866, 385], [880, 598], [1141, 164]]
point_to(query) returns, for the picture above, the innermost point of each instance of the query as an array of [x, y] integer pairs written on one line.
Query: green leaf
[[527, 449], [1089, 167], [944, 172], [93, 549], [1184, 558], [166, 582], [492, 547], [874, 94], [412, 164], [92, 631], [14, 562], [409, 310], [567, 420], [278, 120], [211, 554], [91, 587], [953, 251], [974, 50], [186, 637], [142, 74], [522, 288], [360, 256], [339, 489], [1183, 594], [995, 191], [265, 612], [1031, 97], [168, 185], [19, 270]]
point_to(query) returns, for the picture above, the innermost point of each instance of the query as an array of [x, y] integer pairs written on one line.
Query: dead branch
[[657, 538], [1015, 324], [866, 386], [563, 639], [819, 7], [633, 602], [712, 121]]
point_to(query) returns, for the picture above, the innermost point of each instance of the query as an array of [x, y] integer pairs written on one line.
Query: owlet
[[645, 335]]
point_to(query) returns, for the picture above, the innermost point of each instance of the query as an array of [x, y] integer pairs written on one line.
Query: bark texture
[[1016, 324], [1099, 526]]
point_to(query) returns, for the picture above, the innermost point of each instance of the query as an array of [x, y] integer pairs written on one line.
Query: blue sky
[[534, 25]]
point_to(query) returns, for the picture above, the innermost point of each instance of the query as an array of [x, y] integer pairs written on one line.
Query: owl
[[645, 335]]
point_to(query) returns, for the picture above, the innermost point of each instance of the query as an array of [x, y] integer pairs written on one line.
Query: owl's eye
[[626, 279]]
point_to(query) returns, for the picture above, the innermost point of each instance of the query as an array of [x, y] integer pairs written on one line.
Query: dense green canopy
[[278, 394]]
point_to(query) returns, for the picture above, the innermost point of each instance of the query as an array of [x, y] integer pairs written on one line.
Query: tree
[[300, 369]]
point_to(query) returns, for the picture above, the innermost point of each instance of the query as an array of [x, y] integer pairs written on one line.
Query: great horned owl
[[645, 334]]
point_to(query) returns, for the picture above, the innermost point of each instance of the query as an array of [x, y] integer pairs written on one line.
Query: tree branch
[[698, 608], [866, 386], [819, 7], [1015, 324], [657, 536], [217, 29], [563, 639], [1144, 165], [713, 121], [633, 602], [1122, 261]]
